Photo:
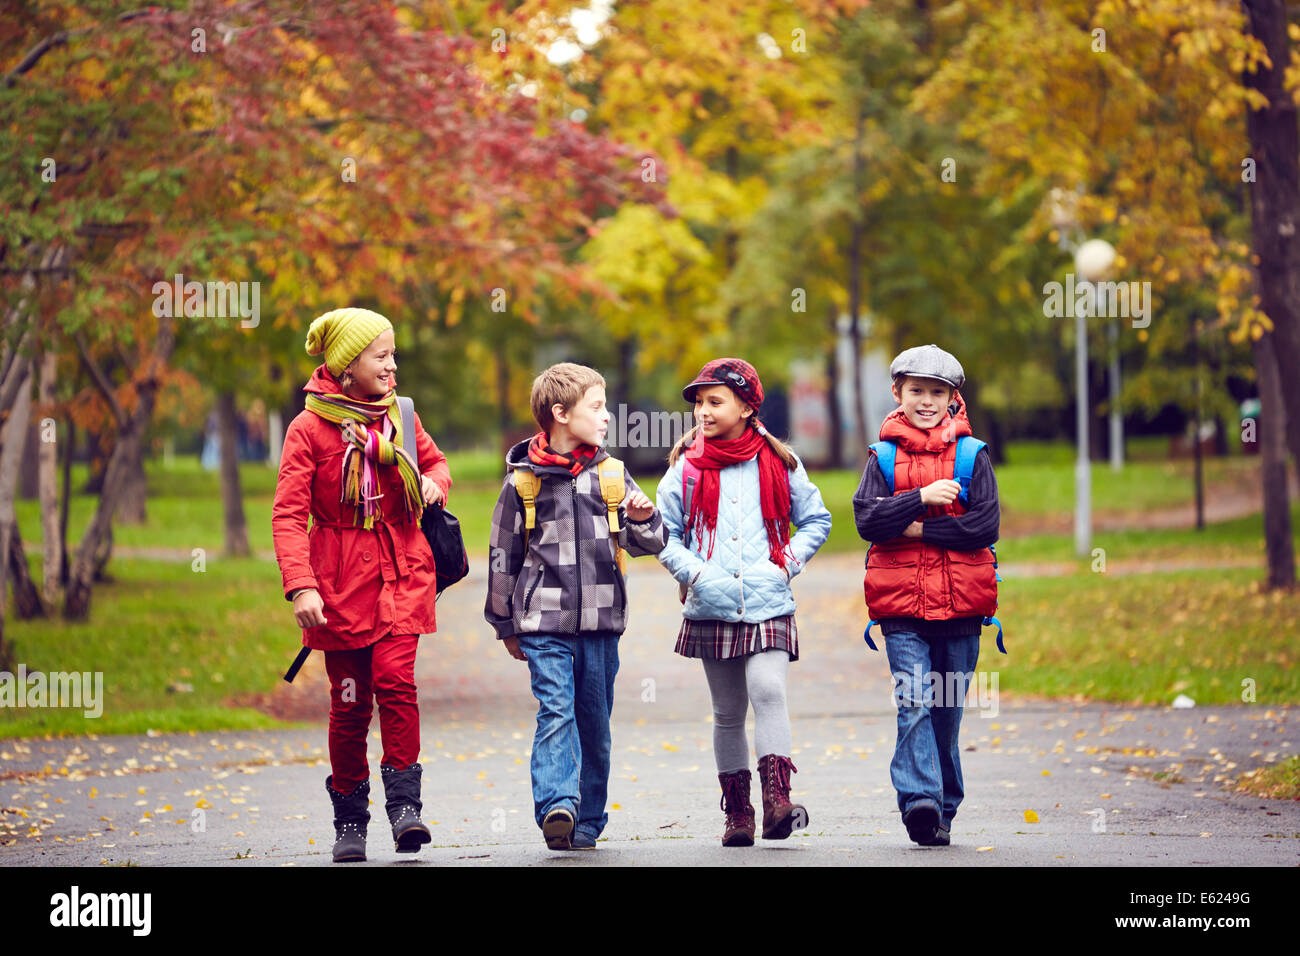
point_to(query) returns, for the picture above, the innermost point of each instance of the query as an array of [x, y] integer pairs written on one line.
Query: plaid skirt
[[724, 640]]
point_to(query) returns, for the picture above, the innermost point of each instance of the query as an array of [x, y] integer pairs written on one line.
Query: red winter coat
[[907, 577], [373, 583]]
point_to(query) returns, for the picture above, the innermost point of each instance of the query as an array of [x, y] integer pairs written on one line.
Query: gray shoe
[[582, 840]]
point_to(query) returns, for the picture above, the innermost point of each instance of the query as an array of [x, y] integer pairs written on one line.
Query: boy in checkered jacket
[[557, 597]]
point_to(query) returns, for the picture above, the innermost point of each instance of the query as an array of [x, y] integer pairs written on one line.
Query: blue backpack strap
[[967, 448], [993, 620], [885, 458], [885, 454]]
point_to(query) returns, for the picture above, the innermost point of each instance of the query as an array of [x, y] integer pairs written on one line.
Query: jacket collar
[[954, 425]]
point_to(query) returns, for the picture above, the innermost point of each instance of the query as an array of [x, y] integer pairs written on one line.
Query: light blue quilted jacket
[[740, 582]]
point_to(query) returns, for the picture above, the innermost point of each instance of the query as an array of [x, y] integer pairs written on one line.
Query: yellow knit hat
[[343, 335]]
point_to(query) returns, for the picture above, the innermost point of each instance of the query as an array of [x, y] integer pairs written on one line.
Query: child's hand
[[432, 493], [512, 646], [913, 530], [309, 609], [639, 507], [941, 492]]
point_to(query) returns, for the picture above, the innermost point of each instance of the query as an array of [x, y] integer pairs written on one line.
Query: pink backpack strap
[[690, 481]]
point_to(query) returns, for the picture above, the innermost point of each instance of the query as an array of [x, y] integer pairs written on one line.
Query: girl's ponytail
[[783, 451], [682, 445]]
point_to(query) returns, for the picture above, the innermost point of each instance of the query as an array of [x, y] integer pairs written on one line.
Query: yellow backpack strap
[[613, 490], [527, 483]]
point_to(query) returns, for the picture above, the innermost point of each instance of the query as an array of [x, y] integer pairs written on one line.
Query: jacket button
[[735, 574], [739, 611], [735, 537], [365, 556], [734, 500]]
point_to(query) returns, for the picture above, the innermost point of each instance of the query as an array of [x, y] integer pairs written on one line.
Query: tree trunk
[[1269, 432], [131, 502], [69, 452], [27, 600], [96, 463], [29, 469], [1275, 197], [1197, 456], [76, 602], [834, 414], [13, 437], [232, 497], [47, 454], [855, 291], [503, 395]]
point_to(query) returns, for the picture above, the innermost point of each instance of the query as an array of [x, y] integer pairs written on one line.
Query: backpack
[[963, 468], [612, 489]]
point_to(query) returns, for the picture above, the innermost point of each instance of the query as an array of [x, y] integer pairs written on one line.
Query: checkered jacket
[[568, 581]]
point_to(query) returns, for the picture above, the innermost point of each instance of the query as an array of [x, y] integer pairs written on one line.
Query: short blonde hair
[[563, 384]]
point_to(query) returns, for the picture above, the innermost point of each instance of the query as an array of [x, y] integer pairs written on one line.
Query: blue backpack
[[967, 448]]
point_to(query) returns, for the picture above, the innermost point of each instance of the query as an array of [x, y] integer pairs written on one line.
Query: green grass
[[1278, 782], [1237, 539], [1147, 638], [224, 631]]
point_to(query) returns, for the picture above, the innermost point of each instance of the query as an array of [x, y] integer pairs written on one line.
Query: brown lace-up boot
[[780, 816], [739, 827]]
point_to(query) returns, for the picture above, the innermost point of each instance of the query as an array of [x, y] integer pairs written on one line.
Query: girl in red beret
[[730, 495]]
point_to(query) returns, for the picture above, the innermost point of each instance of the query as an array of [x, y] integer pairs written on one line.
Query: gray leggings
[[734, 684]]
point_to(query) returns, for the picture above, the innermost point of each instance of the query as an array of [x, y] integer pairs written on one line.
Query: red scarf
[[712, 455], [540, 452]]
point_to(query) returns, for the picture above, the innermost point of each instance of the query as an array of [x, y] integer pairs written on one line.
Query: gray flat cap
[[928, 361]]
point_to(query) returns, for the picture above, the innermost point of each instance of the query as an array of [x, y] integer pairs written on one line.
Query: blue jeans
[[931, 675], [573, 681]]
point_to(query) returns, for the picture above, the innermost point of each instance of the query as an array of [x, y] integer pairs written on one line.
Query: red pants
[[383, 672]]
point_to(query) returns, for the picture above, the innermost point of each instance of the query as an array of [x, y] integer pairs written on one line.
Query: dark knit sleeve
[[978, 527], [880, 516]]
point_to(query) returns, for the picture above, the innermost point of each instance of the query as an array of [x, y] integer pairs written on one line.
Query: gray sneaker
[[582, 840]]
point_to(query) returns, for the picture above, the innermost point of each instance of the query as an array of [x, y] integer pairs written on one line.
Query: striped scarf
[[540, 452], [360, 481]]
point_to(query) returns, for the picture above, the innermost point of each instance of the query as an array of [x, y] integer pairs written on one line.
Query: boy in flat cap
[[928, 505]]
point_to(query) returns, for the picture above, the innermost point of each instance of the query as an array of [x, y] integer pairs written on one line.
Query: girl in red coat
[[362, 579]]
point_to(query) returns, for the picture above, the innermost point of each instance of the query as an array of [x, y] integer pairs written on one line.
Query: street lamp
[[1092, 260]]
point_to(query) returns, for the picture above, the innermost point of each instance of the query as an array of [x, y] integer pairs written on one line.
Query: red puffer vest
[[907, 577]]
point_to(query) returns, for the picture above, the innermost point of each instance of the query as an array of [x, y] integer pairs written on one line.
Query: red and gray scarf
[[540, 452], [712, 455]]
